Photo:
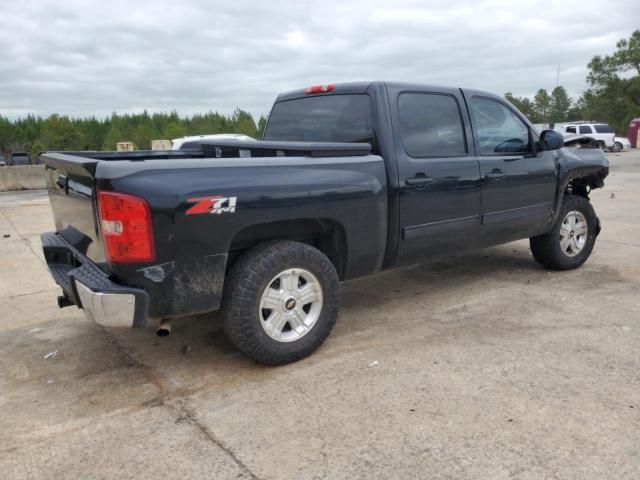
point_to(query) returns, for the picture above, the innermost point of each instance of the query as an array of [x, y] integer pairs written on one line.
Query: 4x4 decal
[[217, 205]]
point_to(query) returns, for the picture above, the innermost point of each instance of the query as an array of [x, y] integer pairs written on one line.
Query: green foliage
[[524, 104], [56, 132], [59, 133], [614, 81], [262, 125], [113, 136], [174, 130], [560, 105], [36, 148], [542, 104]]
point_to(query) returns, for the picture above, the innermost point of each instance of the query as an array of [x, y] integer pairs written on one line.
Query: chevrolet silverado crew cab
[[349, 179]]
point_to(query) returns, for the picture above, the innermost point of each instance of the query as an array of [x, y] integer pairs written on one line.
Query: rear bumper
[[87, 286]]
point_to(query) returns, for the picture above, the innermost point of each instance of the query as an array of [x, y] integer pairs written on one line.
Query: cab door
[[518, 179], [439, 175]]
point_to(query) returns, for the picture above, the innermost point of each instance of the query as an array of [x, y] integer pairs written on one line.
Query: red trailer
[[634, 127]]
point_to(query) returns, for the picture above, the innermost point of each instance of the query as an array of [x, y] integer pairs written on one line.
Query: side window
[[571, 129], [498, 128], [431, 125], [585, 129]]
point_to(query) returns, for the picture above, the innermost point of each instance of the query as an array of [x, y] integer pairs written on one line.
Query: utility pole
[[558, 77]]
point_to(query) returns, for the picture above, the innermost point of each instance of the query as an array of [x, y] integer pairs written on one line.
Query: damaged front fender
[[580, 170]]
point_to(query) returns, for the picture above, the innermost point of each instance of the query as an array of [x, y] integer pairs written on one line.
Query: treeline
[[613, 95], [59, 132]]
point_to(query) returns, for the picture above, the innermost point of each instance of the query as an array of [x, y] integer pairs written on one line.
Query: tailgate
[[71, 186]]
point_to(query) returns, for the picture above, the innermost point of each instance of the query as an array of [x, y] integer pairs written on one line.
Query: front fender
[[579, 171]]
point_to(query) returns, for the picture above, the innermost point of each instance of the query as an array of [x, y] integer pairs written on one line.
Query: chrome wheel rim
[[290, 305], [573, 233]]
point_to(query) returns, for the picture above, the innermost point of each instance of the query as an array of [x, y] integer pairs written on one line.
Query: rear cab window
[[323, 118], [431, 125]]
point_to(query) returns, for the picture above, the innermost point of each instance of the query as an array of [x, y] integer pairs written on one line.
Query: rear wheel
[[281, 301], [571, 240]]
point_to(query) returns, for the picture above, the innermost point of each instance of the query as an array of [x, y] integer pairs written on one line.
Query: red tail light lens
[[127, 233], [318, 89]]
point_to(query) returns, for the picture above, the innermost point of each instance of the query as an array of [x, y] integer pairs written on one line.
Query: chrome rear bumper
[[90, 288], [107, 309]]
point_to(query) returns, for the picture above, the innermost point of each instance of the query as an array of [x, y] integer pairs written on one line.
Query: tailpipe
[[164, 329], [64, 301]]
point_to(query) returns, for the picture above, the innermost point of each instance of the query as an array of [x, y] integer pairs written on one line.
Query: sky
[[86, 58]]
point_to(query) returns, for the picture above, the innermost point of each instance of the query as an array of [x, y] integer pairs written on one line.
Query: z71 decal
[[217, 205]]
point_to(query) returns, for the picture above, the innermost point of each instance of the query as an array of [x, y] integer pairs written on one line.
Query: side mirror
[[551, 140]]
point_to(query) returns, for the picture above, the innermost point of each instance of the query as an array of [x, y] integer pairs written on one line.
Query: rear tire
[[281, 301], [571, 240]]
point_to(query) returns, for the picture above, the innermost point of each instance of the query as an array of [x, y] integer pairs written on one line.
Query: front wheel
[[617, 147], [281, 301], [571, 240]]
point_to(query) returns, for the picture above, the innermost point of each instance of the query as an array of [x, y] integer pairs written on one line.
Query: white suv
[[601, 132]]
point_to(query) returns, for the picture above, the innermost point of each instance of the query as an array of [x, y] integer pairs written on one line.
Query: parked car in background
[[620, 143], [602, 133], [20, 158], [3, 163], [178, 142]]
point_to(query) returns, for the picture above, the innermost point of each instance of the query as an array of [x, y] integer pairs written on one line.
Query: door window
[[431, 125], [585, 129], [571, 129], [498, 128]]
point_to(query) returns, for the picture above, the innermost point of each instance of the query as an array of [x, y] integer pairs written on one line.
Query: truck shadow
[[508, 263], [197, 356]]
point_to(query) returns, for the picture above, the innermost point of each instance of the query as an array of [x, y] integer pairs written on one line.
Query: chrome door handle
[[419, 180]]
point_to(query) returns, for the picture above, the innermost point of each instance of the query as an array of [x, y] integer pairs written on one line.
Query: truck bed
[[332, 191]]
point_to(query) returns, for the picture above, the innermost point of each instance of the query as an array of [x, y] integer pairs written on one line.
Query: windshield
[[326, 118]]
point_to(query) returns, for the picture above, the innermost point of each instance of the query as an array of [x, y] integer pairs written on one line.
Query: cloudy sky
[[93, 57]]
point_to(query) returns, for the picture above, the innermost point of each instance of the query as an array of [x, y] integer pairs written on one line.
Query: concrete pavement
[[488, 367]]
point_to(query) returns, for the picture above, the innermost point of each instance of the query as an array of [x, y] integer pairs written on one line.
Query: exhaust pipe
[[164, 329], [64, 301]]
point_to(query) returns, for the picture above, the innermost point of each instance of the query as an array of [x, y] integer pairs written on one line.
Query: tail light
[[318, 89], [127, 233]]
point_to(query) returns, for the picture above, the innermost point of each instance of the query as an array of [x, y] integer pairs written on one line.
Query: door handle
[[496, 175], [419, 180]]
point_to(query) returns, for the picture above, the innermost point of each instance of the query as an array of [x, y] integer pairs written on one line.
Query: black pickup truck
[[350, 179]]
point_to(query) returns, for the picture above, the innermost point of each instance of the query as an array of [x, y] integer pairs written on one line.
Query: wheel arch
[[327, 235]]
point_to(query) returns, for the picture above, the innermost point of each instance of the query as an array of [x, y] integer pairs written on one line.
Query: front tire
[[281, 301], [617, 147], [571, 240]]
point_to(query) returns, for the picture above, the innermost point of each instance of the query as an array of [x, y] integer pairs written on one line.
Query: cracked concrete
[[487, 367]]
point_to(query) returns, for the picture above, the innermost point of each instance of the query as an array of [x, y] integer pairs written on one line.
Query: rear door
[[438, 172], [518, 180]]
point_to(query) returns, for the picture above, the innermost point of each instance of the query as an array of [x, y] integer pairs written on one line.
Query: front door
[[439, 174], [518, 180]]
